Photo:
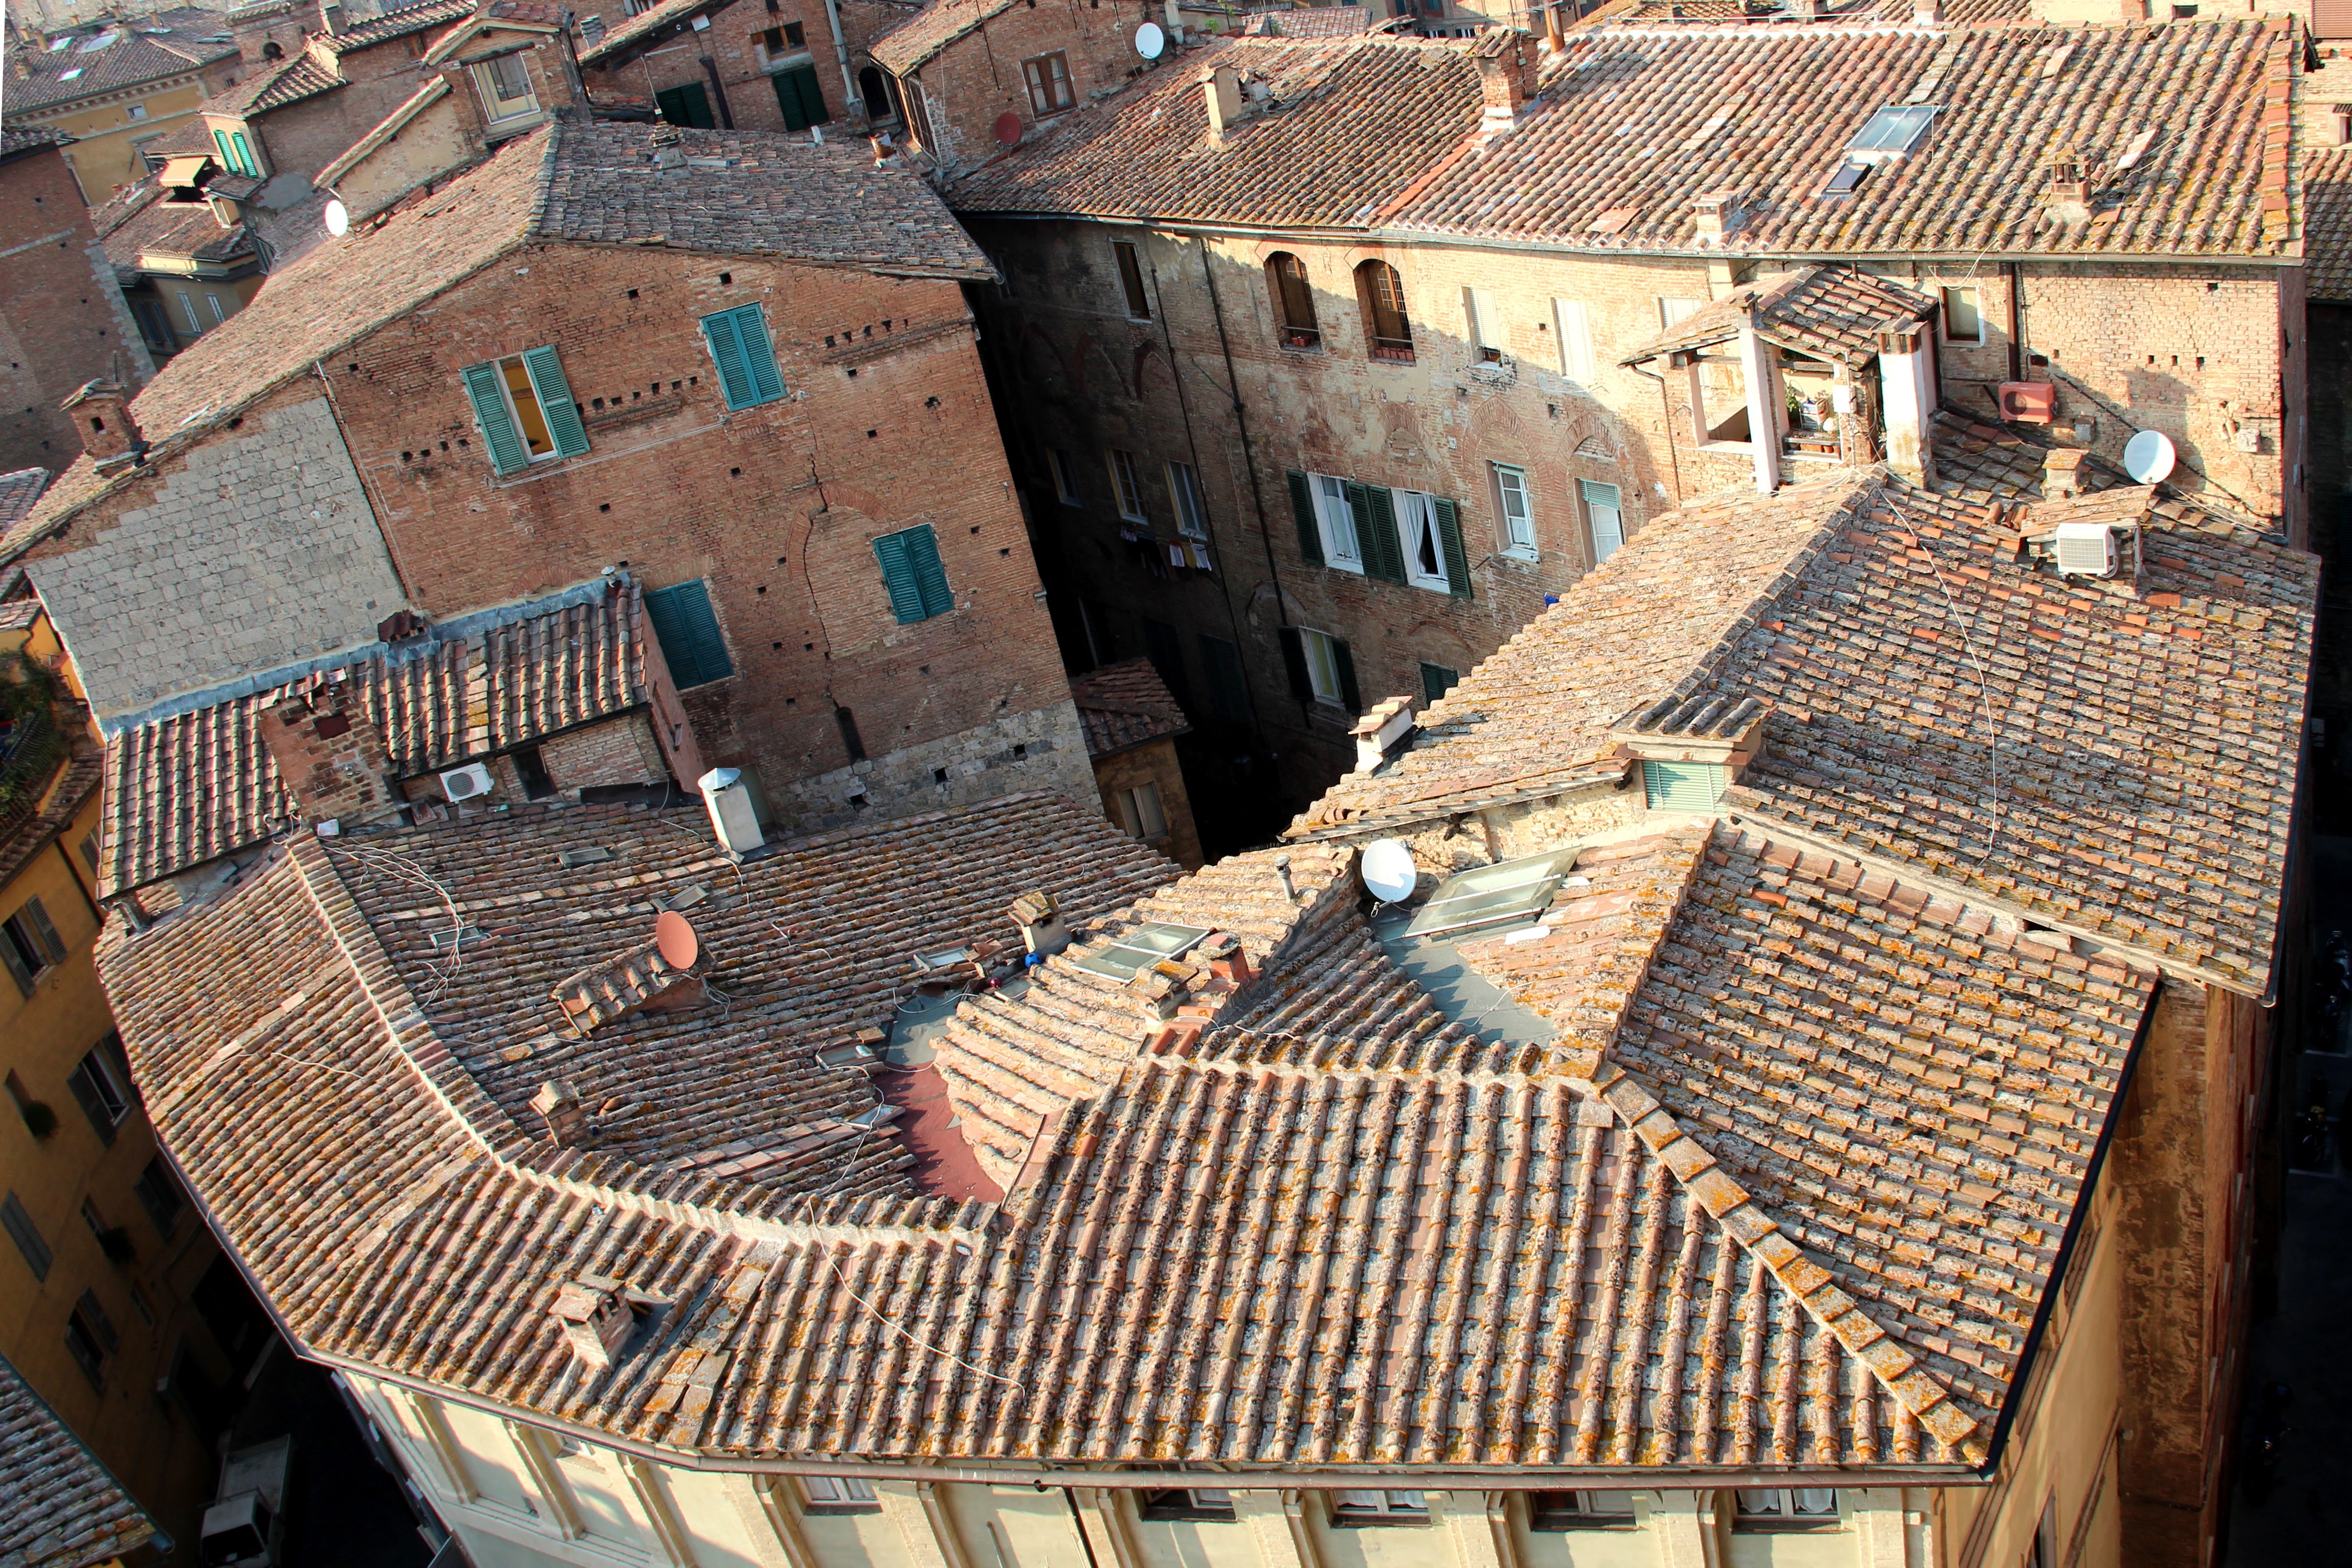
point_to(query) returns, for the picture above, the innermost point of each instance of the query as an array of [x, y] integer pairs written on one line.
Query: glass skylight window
[[1515, 890], [1891, 133], [1131, 951]]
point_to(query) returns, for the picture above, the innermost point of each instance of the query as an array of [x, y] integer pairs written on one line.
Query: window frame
[[1138, 811], [486, 86], [1507, 479], [1288, 287], [1053, 94], [1187, 1503], [1185, 494], [658, 602], [1432, 691], [1572, 320], [1128, 261], [1482, 318], [1373, 274], [31, 1245], [1126, 485], [85, 1343], [30, 945], [550, 390], [156, 1183], [761, 378], [1591, 508], [1581, 1512], [1353, 559], [1784, 1517], [1416, 510], [1327, 672], [103, 1091], [1383, 1509], [915, 106], [918, 551], [1064, 467], [834, 1495], [1944, 293]]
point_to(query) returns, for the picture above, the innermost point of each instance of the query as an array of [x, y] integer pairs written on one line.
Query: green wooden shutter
[[555, 404], [760, 354], [1449, 535], [1302, 502], [1376, 531], [801, 96], [899, 577], [685, 105], [1350, 698], [726, 342], [687, 629], [1436, 680], [227, 157], [245, 163], [1293, 663], [508, 453], [930, 576], [1684, 786]]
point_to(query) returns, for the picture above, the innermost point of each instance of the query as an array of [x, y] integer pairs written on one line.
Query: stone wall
[[1041, 748], [1153, 764]]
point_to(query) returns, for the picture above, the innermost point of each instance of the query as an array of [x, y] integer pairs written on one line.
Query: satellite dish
[[2148, 456], [674, 940], [1008, 128], [338, 219], [1388, 871], [1150, 42]]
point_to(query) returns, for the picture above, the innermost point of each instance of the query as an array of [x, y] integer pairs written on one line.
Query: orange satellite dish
[[674, 940]]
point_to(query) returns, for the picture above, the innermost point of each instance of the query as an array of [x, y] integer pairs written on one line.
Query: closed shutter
[[1302, 503], [85, 1093], [1349, 698], [746, 359], [1684, 786], [689, 106], [688, 630], [555, 404], [1376, 531], [244, 160], [930, 576], [20, 1228], [1449, 535], [801, 98], [1293, 662], [508, 453], [2332, 19], [18, 970], [43, 932], [899, 577]]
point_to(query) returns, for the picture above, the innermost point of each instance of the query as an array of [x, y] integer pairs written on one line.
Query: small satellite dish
[[1388, 871], [1151, 41], [674, 940], [1008, 128], [338, 219], [2148, 456]]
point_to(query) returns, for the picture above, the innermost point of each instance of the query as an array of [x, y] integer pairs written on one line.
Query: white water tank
[[731, 815]]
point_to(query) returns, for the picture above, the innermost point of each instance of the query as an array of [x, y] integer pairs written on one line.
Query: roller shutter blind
[[1684, 786]]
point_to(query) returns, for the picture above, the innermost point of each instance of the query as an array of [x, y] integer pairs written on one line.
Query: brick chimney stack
[[1506, 76], [330, 755], [101, 414]]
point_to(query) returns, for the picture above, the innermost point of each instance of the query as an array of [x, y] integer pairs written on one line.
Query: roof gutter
[[1430, 1478]]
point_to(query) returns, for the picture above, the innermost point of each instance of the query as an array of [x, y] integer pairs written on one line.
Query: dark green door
[[801, 99], [687, 106]]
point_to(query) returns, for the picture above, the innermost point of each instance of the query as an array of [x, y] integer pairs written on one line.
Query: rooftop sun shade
[[1145, 944], [1515, 890]]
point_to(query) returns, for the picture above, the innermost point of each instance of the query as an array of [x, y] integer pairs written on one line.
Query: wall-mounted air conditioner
[[2028, 403], [467, 782], [2085, 549]]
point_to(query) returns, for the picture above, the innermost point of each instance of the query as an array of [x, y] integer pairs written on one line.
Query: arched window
[[1380, 292], [875, 91], [273, 50], [1294, 301]]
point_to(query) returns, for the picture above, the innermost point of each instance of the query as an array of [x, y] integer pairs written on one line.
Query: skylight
[[1890, 135], [1138, 949], [1515, 890]]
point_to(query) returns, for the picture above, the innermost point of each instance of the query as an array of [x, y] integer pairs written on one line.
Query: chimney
[[101, 415], [597, 1318], [1380, 730], [1803, 10], [668, 154], [330, 755], [1506, 76], [886, 156], [1928, 13], [650, 976], [559, 1105], [1221, 84], [732, 816], [1040, 920], [2062, 474], [2068, 198], [331, 17], [1717, 214]]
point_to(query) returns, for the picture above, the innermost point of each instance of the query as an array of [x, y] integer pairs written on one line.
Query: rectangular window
[[1386, 1506], [1324, 670], [211, 303], [685, 105], [188, 308], [505, 87], [745, 355], [246, 164], [1065, 475], [1574, 325], [840, 1494], [801, 96], [1424, 554], [89, 849], [1194, 1502], [1511, 504], [1334, 517], [1125, 488], [1963, 320], [1580, 1509], [1684, 786], [29, 945], [1130, 278], [1786, 1508], [523, 407], [1436, 680], [1484, 324], [159, 1194], [1672, 312], [1140, 814], [1228, 684], [1604, 518], [27, 1237], [88, 1350], [102, 1088], [912, 571], [1184, 491], [918, 112], [1048, 77], [686, 627]]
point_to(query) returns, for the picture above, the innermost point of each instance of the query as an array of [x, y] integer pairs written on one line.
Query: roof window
[[1515, 890], [1142, 948], [1890, 135]]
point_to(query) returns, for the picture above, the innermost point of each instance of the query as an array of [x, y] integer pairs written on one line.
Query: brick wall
[[1153, 764], [251, 552], [736, 44], [62, 319], [621, 751], [973, 81], [776, 507], [304, 138]]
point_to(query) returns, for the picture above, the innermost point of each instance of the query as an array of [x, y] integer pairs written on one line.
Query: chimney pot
[[558, 1104], [101, 414], [1041, 924], [1928, 13], [1282, 874]]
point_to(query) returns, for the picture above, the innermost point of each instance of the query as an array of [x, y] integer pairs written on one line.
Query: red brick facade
[[737, 46], [979, 78]]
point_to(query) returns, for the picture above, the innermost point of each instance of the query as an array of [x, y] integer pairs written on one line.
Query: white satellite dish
[[1151, 41], [338, 219], [1388, 871], [2148, 456]]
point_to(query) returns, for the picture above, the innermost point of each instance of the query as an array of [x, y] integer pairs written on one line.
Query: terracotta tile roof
[[739, 194], [391, 25], [1763, 13], [2328, 223], [302, 76], [1308, 22], [197, 783], [1769, 112], [2144, 769], [16, 138], [625, 42], [147, 50], [59, 1507], [1351, 126], [1829, 312], [910, 45], [1126, 704], [18, 491], [182, 231], [1632, 125]]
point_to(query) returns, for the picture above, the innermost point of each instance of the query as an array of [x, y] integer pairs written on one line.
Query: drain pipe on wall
[[841, 53]]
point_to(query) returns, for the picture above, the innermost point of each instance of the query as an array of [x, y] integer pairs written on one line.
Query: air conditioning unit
[[2028, 403], [467, 782], [2085, 549]]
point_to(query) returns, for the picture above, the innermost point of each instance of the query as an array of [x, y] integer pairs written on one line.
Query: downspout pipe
[[841, 53]]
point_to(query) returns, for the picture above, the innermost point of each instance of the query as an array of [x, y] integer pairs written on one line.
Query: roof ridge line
[[1901, 1372], [1583, 1049]]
